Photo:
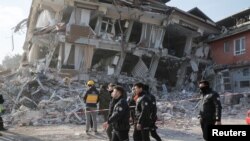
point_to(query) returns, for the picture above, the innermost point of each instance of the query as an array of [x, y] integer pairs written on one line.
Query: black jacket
[[153, 108], [143, 110], [210, 106], [92, 91], [119, 119]]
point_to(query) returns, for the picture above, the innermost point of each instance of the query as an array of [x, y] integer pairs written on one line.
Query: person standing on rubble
[[91, 98], [142, 114], [209, 108], [104, 101], [120, 116], [1, 112], [153, 114]]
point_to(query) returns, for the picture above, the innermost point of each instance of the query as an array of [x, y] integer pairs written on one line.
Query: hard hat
[[90, 82]]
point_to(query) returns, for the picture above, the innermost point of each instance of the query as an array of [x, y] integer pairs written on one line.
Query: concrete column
[[188, 45], [181, 75], [183, 69], [153, 66], [120, 63], [34, 53], [130, 26], [98, 25], [60, 57]]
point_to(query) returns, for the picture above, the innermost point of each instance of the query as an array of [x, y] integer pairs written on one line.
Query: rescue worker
[[142, 114], [111, 106], [210, 108], [120, 116], [104, 100], [153, 114], [91, 98], [1, 112]]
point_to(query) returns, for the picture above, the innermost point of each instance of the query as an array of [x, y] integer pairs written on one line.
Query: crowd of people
[[137, 111]]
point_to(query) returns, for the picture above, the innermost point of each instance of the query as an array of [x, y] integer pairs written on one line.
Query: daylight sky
[[13, 11]]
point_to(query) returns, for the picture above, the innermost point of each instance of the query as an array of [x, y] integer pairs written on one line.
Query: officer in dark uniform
[[153, 114], [142, 114], [111, 106], [210, 108], [120, 116]]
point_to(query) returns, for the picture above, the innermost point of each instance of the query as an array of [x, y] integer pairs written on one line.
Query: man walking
[[142, 114], [120, 116], [153, 114], [210, 108]]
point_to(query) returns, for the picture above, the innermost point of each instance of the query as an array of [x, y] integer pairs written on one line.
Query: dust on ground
[[70, 132]]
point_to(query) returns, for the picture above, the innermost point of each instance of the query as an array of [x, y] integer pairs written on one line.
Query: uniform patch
[[146, 103], [154, 103]]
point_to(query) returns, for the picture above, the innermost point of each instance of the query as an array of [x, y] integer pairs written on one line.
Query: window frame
[[242, 47]]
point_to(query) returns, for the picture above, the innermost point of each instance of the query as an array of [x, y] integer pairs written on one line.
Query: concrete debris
[[43, 99]]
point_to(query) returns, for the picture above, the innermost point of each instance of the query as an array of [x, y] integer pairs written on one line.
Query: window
[[226, 47], [239, 46], [244, 84], [245, 72], [226, 81], [107, 25]]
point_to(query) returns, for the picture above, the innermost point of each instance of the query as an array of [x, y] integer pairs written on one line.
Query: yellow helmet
[[90, 82]]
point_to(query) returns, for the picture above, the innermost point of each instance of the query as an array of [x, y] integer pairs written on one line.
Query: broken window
[[239, 46], [107, 30], [244, 84], [93, 22], [119, 29], [136, 33], [151, 36], [226, 46]]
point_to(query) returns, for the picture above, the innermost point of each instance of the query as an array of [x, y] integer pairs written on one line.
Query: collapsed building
[[121, 41], [107, 41]]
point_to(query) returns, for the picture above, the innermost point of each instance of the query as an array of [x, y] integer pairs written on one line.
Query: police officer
[[109, 129], [142, 114], [153, 114], [91, 98], [120, 116], [210, 108]]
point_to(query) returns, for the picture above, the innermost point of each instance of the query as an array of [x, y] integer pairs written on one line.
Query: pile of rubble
[[38, 99]]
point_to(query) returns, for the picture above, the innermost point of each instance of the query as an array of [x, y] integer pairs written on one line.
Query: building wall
[[220, 57], [240, 79]]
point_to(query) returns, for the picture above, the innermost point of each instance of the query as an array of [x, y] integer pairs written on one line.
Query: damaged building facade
[[231, 55], [121, 41]]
